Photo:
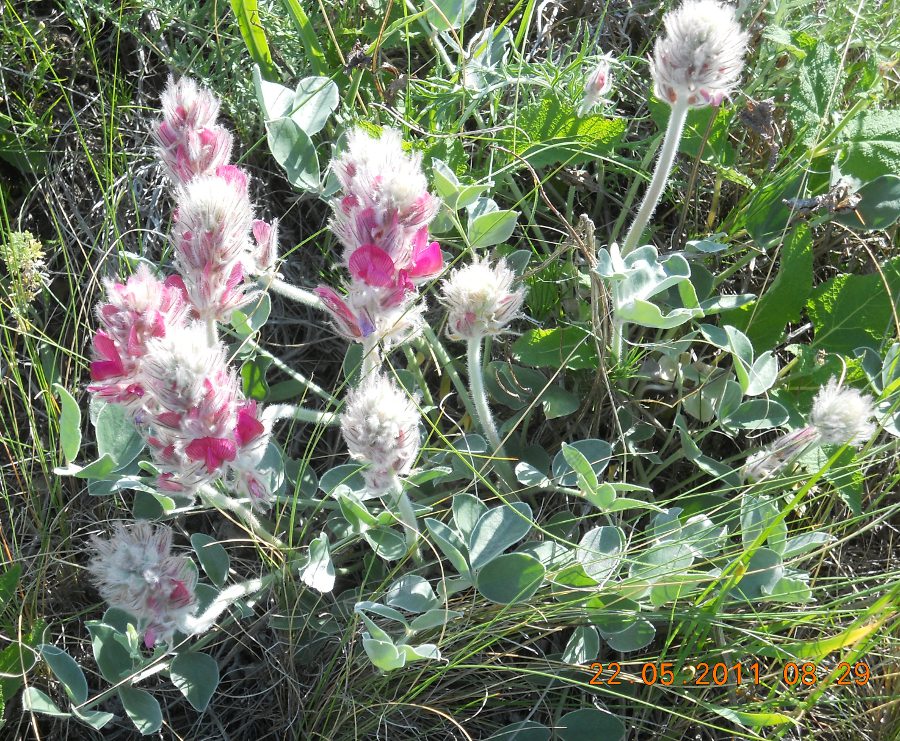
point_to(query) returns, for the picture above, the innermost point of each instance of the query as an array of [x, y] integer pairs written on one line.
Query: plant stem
[[660, 176], [371, 360], [212, 335], [220, 501], [485, 419], [300, 295], [301, 414], [446, 362]]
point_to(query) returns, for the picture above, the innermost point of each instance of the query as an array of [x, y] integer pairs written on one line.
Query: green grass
[[79, 88]]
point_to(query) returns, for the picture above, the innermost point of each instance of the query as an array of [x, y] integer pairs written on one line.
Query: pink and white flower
[[482, 299]]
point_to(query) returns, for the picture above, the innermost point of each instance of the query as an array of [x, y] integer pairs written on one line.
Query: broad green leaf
[[757, 414], [600, 552], [36, 701], [661, 560], [252, 317], [510, 578], [446, 14], [491, 228], [639, 634], [851, 311], [804, 543], [69, 423], [762, 374], [111, 651], [386, 543], [347, 475], [318, 572], [513, 385], [764, 320], [815, 92], [549, 132], [94, 718], [496, 530], [411, 593], [197, 676], [117, 436], [253, 378], [142, 708], [467, 510], [9, 580], [590, 724], [213, 558], [247, 14], [583, 645], [879, 207], [433, 619], [449, 544], [314, 101], [275, 100], [595, 453], [426, 651], [383, 654], [557, 402], [758, 515], [564, 347], [294, 151], [761, 575], [872, 144], [67, 671]]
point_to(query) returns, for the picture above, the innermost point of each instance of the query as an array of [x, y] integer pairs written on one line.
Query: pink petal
[[248, 426], [373, 266], [426, 261], [213, 450]]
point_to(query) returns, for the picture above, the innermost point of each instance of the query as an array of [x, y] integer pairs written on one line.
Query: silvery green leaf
[[314, 100], [318, 572]]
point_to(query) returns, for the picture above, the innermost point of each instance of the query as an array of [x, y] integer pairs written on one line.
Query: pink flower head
[[189, 141], [211, 236], [386, 202], [135, 571], [140, 310], [391, 313], [596, 86]]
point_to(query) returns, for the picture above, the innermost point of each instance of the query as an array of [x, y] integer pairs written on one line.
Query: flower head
[[481, 299], [842, 415], [137, 311], [380, 425], [700, 59], [135, 571], [212, 246], [385, 203], [392, 316], [189, 141], [596, 86]]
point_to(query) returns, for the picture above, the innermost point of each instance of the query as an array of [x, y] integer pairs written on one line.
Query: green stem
[[220, 501], [660, 176], [485, 418], [446, 362]]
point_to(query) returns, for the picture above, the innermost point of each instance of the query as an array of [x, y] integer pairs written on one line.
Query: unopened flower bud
[[481, 299], [380, 425], [266, 236], [135, 571], [842, 415], [596, 86], [779, 456], [699, 60]]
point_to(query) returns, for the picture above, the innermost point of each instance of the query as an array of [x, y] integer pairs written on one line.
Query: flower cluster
[[380, 425], [481, 299], [699, 60], [839, 416], [381, 219], [156, 352], [135, 571]]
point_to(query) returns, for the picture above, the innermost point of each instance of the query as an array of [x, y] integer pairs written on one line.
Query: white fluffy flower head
[[700, 59], [481, 299], [842, 415], [380, 425], [597, 84], [135, 571]]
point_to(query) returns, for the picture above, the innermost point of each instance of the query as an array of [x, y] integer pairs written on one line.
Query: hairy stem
[[446, 363], [408, 519], [300, 295], [301, 414], [660, 176], [216, 499], [212, 334], [485, 418]]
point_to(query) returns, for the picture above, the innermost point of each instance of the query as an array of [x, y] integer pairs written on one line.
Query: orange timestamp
[[718, 674]]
